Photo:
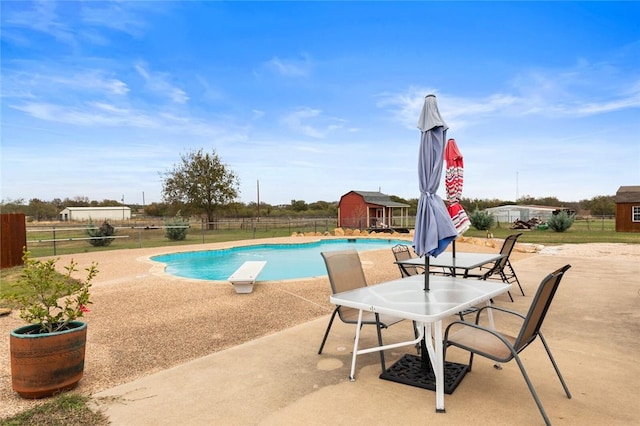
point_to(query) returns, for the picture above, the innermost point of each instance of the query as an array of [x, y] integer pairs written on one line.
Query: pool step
[[245, 276]]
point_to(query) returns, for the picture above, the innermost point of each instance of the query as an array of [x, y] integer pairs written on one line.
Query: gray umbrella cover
[[434, 228]]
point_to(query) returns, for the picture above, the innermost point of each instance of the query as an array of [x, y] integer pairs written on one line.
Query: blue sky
[[314, 99]]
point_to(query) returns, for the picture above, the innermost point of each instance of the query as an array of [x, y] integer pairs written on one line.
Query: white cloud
[[23, 80], [117, 16], [570, 93], [311, 122], [41, 16], [158, 83], [290, 67]]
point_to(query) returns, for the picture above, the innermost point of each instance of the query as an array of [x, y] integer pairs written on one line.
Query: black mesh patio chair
[[502, 347], [345, 273], [502, 268], [402, 252]]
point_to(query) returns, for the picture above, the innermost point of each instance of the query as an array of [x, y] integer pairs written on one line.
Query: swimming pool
[[284, 261]]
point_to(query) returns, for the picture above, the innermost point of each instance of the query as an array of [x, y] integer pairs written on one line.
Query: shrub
[[48, 298], [561, 222], [105, 230], [482, 221], [177, 228]]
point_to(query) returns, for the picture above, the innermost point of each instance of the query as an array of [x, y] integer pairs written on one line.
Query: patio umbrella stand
[[416, 370]]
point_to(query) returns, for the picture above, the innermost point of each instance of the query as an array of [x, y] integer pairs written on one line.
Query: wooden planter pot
[[48, 363]]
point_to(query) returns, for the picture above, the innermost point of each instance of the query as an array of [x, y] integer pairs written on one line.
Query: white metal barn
[[511, 213], [95, 214]]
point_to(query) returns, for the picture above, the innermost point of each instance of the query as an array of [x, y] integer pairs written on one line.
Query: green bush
[[482, 221], [561, 222], [177, 228], [105, 230]]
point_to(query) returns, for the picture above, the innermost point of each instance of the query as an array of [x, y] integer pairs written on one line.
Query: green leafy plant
[[561, 222], [482, 221], [49, 298], [105, 230], [177, 228]]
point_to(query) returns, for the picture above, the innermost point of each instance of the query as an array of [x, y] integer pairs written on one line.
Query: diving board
[[245, 276]]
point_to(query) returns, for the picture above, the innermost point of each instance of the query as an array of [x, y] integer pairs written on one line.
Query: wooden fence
[[13, 239]]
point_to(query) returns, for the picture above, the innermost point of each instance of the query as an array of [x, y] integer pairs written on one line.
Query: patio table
[[406, 298], [462, 261]]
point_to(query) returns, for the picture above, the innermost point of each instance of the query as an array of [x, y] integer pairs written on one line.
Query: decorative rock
[[490, 243], [338, 232]]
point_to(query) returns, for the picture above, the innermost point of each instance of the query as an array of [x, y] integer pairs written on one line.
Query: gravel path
[[143, 320]]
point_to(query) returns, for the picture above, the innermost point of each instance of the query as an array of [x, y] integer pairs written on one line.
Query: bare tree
[[201, 182]]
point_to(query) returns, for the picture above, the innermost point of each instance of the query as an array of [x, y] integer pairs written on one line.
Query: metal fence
[[47, 239]]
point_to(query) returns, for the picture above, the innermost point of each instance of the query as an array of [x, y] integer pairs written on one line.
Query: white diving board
[[245, 276]]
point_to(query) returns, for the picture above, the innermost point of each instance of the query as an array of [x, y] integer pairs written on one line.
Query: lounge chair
[[345, 273], [501, 347]]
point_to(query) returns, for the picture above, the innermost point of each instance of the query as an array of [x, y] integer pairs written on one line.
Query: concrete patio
[[593, 329]]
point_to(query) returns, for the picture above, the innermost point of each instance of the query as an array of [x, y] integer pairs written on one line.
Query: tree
[[298, 205], [42, 210], [201, 182], [602, 205]]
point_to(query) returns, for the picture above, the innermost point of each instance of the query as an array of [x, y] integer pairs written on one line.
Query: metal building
[[95, 214]]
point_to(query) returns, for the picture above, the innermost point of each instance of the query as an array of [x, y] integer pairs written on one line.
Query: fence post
[[202, 227], [54, 240]]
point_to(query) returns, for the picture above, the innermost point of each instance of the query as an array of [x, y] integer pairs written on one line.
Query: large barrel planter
[[47, 363]]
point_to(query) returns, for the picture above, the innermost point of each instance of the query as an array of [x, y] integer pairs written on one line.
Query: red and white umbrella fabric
[[453, 185]]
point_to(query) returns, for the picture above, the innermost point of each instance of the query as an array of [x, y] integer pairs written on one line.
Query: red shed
[[628, 209], [366, 209]]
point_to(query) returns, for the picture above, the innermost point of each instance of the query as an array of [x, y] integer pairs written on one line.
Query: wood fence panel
[[13, 239]]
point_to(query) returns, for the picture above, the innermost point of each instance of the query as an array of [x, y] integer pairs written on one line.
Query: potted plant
[[47, 356]]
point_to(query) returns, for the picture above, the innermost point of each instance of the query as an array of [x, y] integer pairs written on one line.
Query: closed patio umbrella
[[453, 184], [434, 229]]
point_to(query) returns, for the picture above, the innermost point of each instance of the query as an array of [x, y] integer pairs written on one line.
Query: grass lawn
[[67, 409], [581, 232]]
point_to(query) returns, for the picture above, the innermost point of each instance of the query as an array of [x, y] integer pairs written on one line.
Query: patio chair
[[501, 347], [345, 273], [402, 252], [502, 268]]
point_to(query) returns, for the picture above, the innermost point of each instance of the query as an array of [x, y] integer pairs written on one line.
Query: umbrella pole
[[453, 248], [426, 272]]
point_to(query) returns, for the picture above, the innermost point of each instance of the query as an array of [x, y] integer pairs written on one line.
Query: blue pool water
[[284, 261]]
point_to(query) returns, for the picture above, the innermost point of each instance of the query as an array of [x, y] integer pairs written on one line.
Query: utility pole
[[258, 188]]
